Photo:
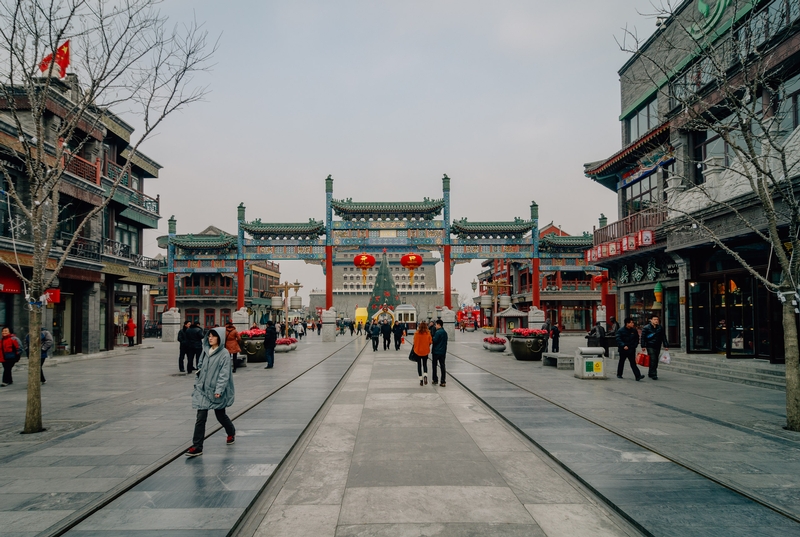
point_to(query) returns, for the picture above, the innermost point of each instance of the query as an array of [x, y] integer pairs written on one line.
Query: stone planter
[[528, 348], [494, 347], [469, 328], [283, 348], [489, 330], [254, 349], [293, 346]]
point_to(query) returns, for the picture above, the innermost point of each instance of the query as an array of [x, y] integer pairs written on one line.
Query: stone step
[[731, 365], [737, 375]]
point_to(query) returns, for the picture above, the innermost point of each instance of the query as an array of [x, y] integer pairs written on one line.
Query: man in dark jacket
[[627, 340], [194, 338], [439, 351], [270, 337], [600, 333], [183, 341], [375, 334], [399, 332], [386, 331], [653, 337]]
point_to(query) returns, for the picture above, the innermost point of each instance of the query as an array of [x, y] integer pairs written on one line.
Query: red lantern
[[411, 262], [364, 262]]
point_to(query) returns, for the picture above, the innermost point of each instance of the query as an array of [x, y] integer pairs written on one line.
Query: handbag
[[643, 359], [664, 358], [412, 356]]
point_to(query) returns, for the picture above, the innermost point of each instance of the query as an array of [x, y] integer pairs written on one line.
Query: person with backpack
[[45, 345], [233, 343], [11, 352]]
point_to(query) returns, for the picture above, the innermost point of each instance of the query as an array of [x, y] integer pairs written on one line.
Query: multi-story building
[[568, 293], [101, 282], [207, 294], [675, 171]]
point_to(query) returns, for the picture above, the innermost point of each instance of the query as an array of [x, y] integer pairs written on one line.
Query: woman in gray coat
[[213, 389]]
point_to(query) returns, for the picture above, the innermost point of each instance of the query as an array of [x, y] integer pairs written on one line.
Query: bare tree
[[734, 87], [126, 59]]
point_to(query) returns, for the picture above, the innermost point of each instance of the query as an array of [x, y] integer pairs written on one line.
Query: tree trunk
[[792, 355], [33, 411]]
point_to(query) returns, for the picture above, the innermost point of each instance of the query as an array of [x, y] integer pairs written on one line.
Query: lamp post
[[495, 287], [284, 288]]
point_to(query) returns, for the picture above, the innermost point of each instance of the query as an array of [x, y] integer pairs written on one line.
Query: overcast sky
[[507, 98]]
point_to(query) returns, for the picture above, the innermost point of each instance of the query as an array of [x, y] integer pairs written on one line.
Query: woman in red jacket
[[10, 354], [232, 342], [130, 331]]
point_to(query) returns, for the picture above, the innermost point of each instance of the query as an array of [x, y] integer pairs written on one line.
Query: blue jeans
[[270, 356]]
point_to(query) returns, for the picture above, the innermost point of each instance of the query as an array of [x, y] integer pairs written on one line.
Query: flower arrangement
[[285, 341], [253, 332], [494, 340], [529, 332]]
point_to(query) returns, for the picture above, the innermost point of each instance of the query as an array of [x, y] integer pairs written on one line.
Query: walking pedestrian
[[213, 390], [386, 331], [546, 327], [270, 337], [368, 330], [438, 353], [319, 328], [185, 345], [195, 335], [352, 328], [599, 333], [233, 343], [11, 352], [45, 344], [358, 329], [653, 337], [555, 335], [399, 333], [422, 347], [130, 331], [627, 340], [375, 334]]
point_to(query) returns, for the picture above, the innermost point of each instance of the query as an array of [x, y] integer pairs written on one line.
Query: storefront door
[[724, 311]]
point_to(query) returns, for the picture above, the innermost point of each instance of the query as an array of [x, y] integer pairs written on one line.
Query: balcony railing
[[83, 248], [145, 202], [82, 168], [113, 171], [647, 219], [148, 262], [116, 249]]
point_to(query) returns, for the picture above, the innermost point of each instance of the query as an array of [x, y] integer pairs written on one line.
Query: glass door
[[720, 316], [699, 310], [741, 316]]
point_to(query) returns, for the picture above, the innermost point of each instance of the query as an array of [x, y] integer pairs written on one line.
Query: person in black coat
[[270, 337], [555, 335], [183, 341], [653, 337], [375, 334], [386, 331], [627, 340], [399, 332], [194, 337]]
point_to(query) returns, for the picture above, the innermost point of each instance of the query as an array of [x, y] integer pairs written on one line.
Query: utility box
[[589, 363]]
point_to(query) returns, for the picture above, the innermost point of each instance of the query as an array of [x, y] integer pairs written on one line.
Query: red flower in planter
[[494, 340], [529, 332]]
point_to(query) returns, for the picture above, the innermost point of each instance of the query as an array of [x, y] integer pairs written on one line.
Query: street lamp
[[495, 287], [474, 284]]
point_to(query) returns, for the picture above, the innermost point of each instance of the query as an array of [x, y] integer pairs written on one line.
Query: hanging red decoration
[[411, 262], [365, 262]]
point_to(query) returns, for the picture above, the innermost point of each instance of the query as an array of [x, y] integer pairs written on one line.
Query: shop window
[[210, 318], [127, 235], [644, 119], [641, 195], [193, 315]]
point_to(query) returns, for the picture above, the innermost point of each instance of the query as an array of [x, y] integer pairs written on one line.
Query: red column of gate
[[447, 294], [536, 287], [170, 289], [328, 277]]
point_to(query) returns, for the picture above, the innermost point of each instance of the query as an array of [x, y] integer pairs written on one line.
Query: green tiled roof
[[518, 225], [556, 240], [348, 208], [204, 242], [312, 227]]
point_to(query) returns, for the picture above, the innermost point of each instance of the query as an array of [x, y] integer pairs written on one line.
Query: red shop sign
[[9, 283]]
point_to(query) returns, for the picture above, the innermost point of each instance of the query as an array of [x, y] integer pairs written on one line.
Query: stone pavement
[[390, 457], [110, 420]]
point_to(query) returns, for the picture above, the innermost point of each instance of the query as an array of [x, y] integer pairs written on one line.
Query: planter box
[[494, 347], [283, 348], [489, 330], [254, 349], [469, 329], [528, 349]]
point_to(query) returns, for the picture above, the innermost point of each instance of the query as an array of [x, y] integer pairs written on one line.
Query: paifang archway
[[398, 227]]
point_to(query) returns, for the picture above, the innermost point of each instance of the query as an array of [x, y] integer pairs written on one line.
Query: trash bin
[[589, 363]]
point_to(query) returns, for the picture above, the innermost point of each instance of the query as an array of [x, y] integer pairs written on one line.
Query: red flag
[[62, 60]]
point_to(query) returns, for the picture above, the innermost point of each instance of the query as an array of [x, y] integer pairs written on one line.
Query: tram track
[[64, 526], [622, 434]]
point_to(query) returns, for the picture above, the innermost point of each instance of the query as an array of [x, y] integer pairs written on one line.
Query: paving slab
[[623, 440]]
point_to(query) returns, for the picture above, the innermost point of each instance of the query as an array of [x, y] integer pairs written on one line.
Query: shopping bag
[[664, 358], [412, 356], [643, 359]]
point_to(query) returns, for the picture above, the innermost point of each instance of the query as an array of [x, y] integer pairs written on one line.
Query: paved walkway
[[391, 457]]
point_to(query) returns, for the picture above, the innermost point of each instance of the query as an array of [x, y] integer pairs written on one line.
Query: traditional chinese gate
[[396, 227]]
